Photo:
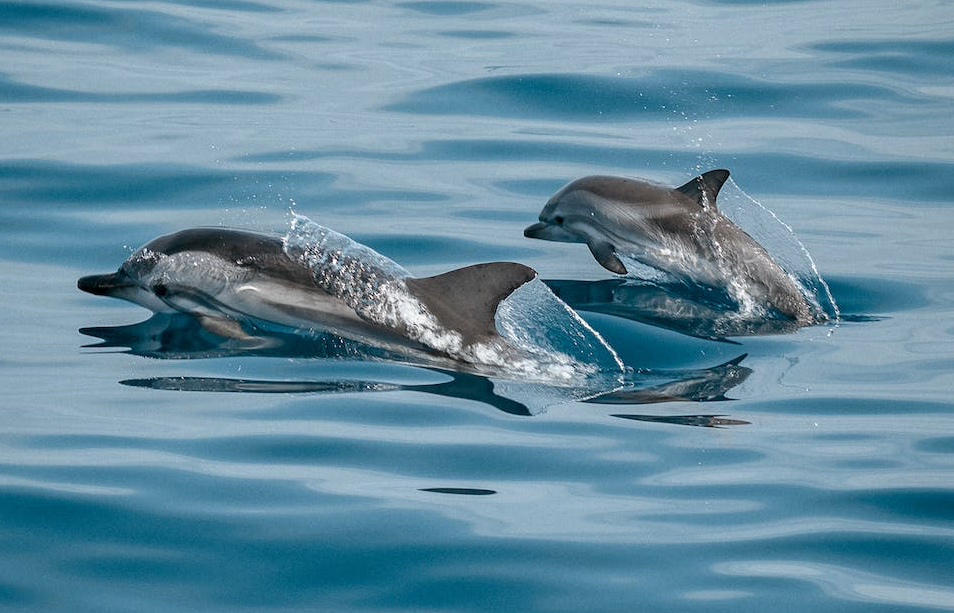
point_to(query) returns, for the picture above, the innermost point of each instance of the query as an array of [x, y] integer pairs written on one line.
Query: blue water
[[165, 470]]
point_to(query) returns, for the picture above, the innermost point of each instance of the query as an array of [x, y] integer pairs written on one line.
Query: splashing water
[[541, 338], [779, 239], [533, 318]]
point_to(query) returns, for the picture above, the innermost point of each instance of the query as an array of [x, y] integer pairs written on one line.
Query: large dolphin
[[679, 231], [229, 277]]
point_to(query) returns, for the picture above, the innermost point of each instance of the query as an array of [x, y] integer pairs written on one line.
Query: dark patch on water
[[701, 421], [252, 386], [461, 491], [943, 444]]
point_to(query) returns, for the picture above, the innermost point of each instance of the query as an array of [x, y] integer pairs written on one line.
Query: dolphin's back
[[620, 189], [264, 252], [699, 192]]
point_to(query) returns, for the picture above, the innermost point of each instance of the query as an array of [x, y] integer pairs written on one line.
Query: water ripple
[[127, 28], [906, 58], [12, 91], [658, 95]]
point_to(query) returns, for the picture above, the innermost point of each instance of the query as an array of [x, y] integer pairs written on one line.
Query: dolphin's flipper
[[704, 188], [465, 300], [605, 254]]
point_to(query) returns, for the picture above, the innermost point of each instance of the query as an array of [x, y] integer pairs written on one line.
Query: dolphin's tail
[[105, 285]]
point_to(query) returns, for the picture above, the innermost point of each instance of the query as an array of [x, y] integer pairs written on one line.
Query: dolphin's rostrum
[[679, 231]]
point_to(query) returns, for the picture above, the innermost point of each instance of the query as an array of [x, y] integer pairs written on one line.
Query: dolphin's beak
[[551, 232], [105, 285], [537, 230]]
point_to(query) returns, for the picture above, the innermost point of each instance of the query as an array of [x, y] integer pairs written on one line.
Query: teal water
[[168, 470]]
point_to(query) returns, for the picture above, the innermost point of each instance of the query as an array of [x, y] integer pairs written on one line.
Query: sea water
[[146, 465]]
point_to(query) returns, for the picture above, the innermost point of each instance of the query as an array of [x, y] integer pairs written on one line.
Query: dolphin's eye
[[558, 219], [160, 289]]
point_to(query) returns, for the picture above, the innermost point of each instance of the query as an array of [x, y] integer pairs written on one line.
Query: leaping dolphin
[[228, 277], [679, 231]]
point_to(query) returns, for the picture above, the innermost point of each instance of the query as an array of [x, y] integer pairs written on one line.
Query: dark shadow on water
[[460, 491], [462, 386], [183, 337], [700, 421], [221, 384]]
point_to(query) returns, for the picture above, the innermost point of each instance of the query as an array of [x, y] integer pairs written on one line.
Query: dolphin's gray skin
[[226, 277], [679, 231]]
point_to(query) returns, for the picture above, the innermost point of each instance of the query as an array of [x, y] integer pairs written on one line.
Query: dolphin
[[227, 278], [676, 230]]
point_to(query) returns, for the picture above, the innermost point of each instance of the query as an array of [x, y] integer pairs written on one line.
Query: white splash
[[541, 338], [771, 232]]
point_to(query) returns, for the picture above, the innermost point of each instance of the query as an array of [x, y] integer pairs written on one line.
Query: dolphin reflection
[[181, 336], [673, 306]]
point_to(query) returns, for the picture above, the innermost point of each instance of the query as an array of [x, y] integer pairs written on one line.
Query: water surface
[[167, 470]]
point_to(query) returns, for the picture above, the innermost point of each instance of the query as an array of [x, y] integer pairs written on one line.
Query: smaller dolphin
[[679, 231], [228, 277]]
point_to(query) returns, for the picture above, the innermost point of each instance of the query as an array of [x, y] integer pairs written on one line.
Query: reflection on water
[[673, 306], [461, 491], [695, 311], [703, 385], [181, 336], [702, 421]]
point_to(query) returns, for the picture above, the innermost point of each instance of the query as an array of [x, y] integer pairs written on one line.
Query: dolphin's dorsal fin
[[704, 188], [465, 300]]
